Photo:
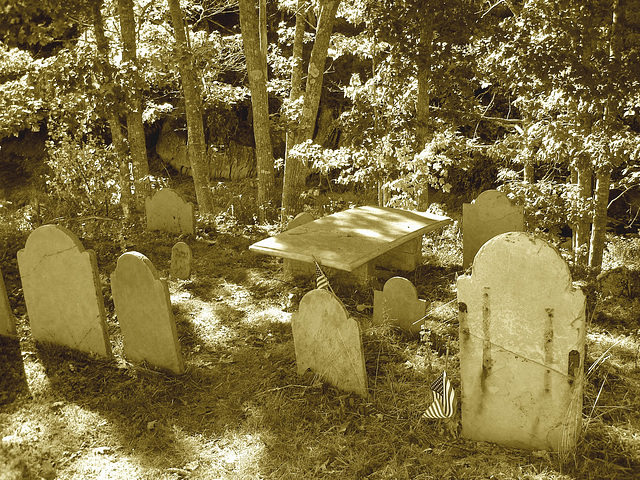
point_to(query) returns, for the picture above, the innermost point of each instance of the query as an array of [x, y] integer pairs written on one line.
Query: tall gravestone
[[329, 342], [398, 304], [181, 257], [487, 216], [7, 320], [522, 346], [143, 308], [167, 211], [62, 291]]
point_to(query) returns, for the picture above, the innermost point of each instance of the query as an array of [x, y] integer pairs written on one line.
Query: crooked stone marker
[[296, 267], [167, 211], [398, 304], [522, 346], [329, 342], [181, 257], [7, 320], [62, 291], [487, 216], [143, 308]]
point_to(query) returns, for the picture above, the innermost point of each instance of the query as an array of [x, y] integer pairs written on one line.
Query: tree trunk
[[135, 127], [260, 109], [603, 182], [582, 230], [111, 102], [423, 132], [196, 146], [295, 172]]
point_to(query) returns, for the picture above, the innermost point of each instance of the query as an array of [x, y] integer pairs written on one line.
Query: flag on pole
[[444, 397], [322, 282]]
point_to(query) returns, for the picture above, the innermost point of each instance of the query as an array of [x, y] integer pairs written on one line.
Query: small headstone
[[329, 342], [143, 308], [167, 211], [181, 257], [398, 304], [487, 216], [62, 291], [300, 219], [296, 267], [522, 346], [7, 320]]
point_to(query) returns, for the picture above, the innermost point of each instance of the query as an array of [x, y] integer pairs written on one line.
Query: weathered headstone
[[143, 308], [62, 291], [167, 211], [522, 346], [7, 320], [296, 267], [329, 342], [181, 257], [398, 304], [487, 216]]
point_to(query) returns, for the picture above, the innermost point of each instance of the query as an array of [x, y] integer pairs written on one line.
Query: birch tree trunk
[[260, 107], [196, 146], [582, 230], [423, 132], [603, 182], [135, 127]]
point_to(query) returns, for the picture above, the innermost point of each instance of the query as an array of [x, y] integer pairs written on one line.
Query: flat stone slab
[[522, 346], [143, 308], [398, 304], [167, 211], [7, 320], [329, 342], [487, 216], [181, 258], [62, 291]]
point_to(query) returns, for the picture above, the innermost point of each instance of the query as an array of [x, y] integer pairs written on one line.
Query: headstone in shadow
[[522, 346], [7, 320], [328, 342], [62, 291], [143, 308], [398, 304], [181, 257], [168, 212], [297, 267]]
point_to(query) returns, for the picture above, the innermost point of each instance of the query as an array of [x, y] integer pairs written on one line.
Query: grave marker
[[167, 211], [522, 346], [398, 303], [181, 257], [487, 216], [329, 342], [143, 309], [7, 320], [62, 291], [296, 267]]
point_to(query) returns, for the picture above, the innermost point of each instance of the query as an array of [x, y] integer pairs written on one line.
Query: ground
[[241, 411]]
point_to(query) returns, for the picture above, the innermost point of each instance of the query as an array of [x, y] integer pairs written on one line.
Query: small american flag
[[322, 282], [444, 397]]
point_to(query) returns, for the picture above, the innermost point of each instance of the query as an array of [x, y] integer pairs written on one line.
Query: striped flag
[[322, 282], [444, 397]]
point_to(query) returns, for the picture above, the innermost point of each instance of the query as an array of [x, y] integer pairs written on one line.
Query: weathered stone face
[[181, 257], [62, 291], [489, 215], [329, 342], [522, 346], [398, 304], [7, 320], [168, 212], [143, 308]]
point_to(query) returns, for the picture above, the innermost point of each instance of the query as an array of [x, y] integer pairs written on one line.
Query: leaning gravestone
[[329, 342], [143, 309], [522, 346], [181, 256], [487, 216], [7, 320], [167, 211], [296, 267], [398, 303], [62, 291]]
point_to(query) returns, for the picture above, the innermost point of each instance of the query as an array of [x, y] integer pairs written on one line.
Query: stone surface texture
[[329, 342], [522, 346], [181, 258], [168, 212], [7, 320], [143, 308], [398, 304], [487, 216], [62, 291]]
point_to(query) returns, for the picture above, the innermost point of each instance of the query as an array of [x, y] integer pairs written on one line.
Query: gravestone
[[62, 291], [296, 267], [181, 257], [143, 308], [167, 211], [522, 346], [487, 216], [329, 342], [398, 304], [7, 320]]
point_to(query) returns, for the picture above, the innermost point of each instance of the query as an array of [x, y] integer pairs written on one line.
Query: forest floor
[[242, 412]]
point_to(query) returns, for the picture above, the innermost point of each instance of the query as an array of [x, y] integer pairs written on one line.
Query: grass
[[241, 411]]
